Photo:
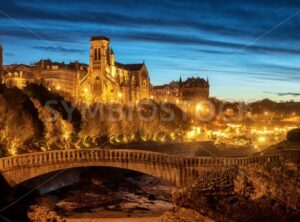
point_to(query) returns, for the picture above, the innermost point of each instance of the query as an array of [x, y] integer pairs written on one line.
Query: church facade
[[104, 80], [109, 81]]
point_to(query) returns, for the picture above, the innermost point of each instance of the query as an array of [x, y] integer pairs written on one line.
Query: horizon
[[248, 52]]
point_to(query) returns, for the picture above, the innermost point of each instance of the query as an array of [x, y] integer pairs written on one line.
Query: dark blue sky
[[218, 39]]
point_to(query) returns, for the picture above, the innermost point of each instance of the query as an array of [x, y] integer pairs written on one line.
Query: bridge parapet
[[131, 156]]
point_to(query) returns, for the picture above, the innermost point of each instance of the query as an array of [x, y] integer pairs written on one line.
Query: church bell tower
[[99, 58]]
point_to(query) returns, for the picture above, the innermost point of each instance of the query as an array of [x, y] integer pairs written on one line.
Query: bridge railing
[[95, 155]]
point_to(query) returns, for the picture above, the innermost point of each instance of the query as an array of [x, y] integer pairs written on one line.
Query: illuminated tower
[[99, 59]]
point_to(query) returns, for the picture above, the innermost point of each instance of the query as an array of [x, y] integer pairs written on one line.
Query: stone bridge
[[179, 170]]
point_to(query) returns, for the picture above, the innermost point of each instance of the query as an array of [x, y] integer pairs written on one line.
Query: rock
[[252, 193], [40, 213], [179, 214]]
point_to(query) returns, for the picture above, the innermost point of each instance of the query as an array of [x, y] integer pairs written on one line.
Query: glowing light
[[199, 107], [262, 139], [120, 95], [125, 140], [163, 139], [85, 90], [57, 87], [172, 135], [191, 134]]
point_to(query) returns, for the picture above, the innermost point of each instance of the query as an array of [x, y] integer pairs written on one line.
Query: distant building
[[194, 89], [190, 90], [18, 75], [60, 77]]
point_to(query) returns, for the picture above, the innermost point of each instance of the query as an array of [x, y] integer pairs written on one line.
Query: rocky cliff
[[251, 193]]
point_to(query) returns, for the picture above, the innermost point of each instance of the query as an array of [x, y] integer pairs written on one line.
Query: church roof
[[130, 67], [99, 38], [61, 65], [17, 68], [195, 82]]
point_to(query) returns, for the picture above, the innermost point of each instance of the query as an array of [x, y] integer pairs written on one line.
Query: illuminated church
[[110, 81], [104, 80]]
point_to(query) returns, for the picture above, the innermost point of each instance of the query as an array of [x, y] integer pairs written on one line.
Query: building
[[167, 92], [18, 75], [62, 78], [192, 90], [110, 81], [104, 80]]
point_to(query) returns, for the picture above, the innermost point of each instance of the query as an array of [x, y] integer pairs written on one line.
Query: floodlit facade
[[192, 90], [110, 81], [104, 80]]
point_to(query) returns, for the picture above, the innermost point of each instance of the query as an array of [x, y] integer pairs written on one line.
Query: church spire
[[180, 82], [207, 80]]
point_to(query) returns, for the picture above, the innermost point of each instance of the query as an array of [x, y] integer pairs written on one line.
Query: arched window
[[97, 84], [95, 54], [99, 53], [144, 83]]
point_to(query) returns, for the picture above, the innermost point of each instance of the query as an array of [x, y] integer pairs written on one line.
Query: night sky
[[249, 49]]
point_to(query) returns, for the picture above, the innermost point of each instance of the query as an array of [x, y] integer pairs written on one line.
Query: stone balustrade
[[132, 156]]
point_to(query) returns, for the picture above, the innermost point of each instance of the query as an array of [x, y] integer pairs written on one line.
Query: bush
[[294, 135]]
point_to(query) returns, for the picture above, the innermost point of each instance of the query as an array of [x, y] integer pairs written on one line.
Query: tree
[[294, 135]]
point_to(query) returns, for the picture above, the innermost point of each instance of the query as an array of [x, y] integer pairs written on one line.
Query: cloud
[[9, 54], [59, 49], [189, 40], [173, 36], [295, 94], [246, 19]]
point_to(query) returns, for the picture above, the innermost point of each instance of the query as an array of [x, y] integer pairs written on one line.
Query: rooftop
[[195, 82], [130, 67], [93, 38]]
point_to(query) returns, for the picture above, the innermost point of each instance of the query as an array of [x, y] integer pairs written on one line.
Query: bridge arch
[[179, 170], [159, 171]]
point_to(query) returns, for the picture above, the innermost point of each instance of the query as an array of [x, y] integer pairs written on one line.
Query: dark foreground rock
[[255, 193]]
